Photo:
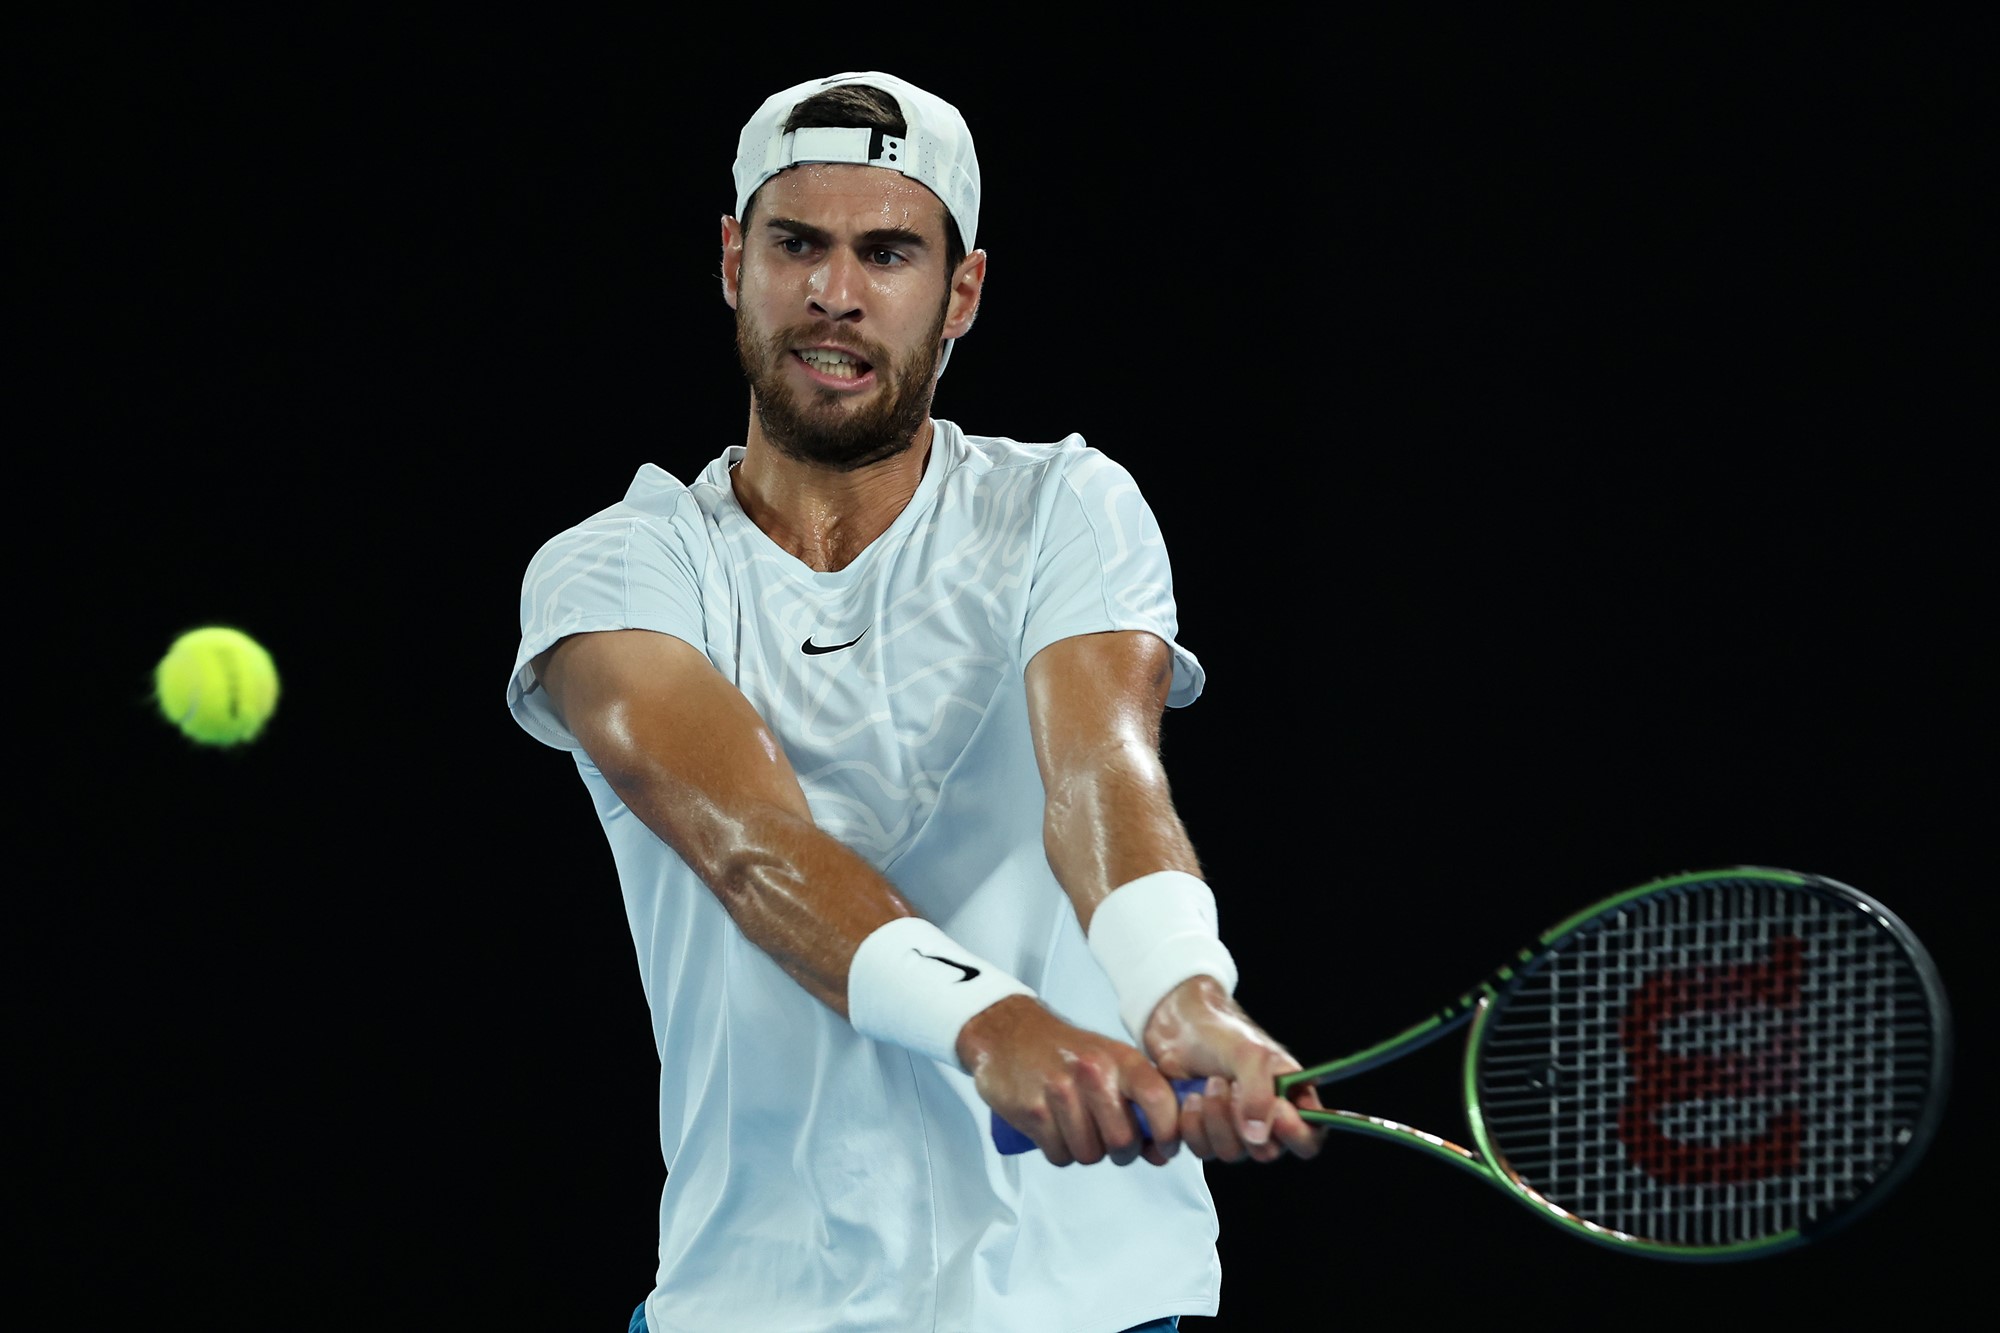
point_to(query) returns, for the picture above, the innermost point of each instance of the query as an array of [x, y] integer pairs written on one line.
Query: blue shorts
[[1167, 1325]]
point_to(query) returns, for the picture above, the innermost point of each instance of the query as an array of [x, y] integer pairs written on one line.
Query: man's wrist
[[1179, 1008], [992, 1029], [912, 985]]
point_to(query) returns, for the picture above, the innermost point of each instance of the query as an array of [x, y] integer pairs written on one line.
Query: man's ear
[[967, 282], [732, 259]]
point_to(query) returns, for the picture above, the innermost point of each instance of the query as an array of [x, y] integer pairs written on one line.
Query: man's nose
[[836, 286]]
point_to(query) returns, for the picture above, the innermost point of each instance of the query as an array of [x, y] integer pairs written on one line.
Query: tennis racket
[[1711, 1066]]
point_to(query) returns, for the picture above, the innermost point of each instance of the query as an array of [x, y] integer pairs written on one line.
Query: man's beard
[[814, 426]]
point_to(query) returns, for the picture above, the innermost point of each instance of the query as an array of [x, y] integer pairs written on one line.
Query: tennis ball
[[217, 684]]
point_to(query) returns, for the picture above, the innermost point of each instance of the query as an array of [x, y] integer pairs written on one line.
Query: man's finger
[[1111, 1121], [1218, 1118], [1291, 1133], [1155, 1096], [1256, 1101], [1055, 1147], [1258, 1067], [1194, 1128], [1078, 1126]]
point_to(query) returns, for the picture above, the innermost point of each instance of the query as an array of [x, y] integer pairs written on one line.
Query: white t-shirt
[[817, 1179]]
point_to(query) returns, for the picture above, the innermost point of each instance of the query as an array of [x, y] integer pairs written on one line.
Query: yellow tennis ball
[[218, 685]]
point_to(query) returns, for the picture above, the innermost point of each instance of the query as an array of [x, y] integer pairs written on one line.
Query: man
[[870, 714]]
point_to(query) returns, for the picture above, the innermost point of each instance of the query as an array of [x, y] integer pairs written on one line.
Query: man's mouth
[[833, 362]]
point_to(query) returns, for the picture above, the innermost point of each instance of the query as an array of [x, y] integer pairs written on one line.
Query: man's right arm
[[692, 758]]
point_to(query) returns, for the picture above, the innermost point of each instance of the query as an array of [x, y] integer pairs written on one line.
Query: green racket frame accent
[[1491, 1165], [1478, 1004]]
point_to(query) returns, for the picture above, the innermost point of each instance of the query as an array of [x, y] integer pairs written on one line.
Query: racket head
[[1712, 1066]]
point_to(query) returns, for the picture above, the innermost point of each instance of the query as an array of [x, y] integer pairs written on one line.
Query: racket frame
[[1477, 1006]]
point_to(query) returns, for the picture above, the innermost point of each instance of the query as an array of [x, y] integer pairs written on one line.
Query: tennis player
[[869, 710]]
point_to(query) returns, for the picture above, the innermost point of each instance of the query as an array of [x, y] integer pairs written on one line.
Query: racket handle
[[1010, 1140]]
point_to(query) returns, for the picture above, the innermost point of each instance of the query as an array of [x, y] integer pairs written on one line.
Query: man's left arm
[[1110, 824]]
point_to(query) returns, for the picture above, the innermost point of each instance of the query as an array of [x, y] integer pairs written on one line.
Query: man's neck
[[826, 518]]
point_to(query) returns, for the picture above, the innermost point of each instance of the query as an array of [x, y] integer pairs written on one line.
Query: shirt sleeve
[[1102, 565], [614, 571]]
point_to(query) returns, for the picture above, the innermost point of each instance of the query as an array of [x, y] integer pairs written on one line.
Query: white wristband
[[1152, 934], [913, 985]]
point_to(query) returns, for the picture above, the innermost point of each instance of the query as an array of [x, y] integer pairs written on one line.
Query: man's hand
[[1066, 1087], [1199, 1030]]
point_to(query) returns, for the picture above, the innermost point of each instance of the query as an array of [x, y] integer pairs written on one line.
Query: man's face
[[841, 298]]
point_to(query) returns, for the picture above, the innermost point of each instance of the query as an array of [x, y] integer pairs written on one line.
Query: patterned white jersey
[[817, 1179]]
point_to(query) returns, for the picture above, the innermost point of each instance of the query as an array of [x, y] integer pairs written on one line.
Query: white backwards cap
[[935, 149]]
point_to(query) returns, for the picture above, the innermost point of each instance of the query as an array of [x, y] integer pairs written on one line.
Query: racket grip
[[1010, 1140]]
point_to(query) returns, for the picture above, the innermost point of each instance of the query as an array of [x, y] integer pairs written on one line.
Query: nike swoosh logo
[[970, 972], [815, 649]]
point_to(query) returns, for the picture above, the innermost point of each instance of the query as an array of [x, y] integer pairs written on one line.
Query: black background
[[1561, 424]]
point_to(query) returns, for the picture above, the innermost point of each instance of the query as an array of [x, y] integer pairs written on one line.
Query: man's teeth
[[828, 362]]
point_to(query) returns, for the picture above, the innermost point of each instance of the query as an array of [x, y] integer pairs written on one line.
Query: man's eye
[[884, 257], [793, 245]]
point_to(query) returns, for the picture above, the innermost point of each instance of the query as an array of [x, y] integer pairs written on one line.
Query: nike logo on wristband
[[970, 972], [812, 648]]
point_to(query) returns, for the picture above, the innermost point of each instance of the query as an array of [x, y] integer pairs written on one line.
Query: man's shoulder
[[655, 492], [1070, 461], [994, 452], [658, 513], [654, 496], [1069, 464]]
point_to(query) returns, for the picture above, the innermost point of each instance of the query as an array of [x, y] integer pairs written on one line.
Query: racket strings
[[1709, 1067]]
